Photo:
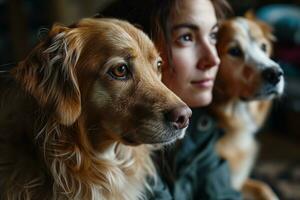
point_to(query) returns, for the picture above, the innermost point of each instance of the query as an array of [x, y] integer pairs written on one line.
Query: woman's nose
[[208, 57]]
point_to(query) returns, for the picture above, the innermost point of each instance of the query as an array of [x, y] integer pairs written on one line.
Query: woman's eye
[[120, 72], [185, 39], [235, 52], [213, 37]]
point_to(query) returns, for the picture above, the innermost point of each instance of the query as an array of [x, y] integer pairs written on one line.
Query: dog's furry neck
[[117, 172], [64, 158], [233, 113]]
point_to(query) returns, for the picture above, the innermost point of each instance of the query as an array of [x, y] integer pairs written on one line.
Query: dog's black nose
[[179, 117], [272, 75]]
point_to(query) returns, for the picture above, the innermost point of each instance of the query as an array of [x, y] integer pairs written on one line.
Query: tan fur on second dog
[[79, 114], [247, 81]]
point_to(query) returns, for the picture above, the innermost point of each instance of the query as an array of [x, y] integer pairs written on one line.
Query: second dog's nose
[[272, 75], [179, 117]]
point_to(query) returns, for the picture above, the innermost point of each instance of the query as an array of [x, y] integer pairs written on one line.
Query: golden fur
[[242, 96], [80, 114]]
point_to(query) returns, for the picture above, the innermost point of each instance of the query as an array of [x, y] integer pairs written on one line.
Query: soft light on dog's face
[[126, 98], [106, 73], [246, 70]]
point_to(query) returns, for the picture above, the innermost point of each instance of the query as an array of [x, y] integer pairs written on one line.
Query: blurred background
[[24, 22]]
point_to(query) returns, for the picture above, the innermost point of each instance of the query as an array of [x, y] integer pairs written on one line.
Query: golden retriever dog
[[246, 83], [81, 114]]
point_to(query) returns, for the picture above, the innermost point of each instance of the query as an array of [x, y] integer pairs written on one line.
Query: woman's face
[[194, 63]]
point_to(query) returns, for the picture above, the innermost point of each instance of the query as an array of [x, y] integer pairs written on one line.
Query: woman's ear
[[48, 74]]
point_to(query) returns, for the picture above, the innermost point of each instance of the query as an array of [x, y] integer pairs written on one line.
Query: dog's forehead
[[121, 35], [145, 45], [248, 29]]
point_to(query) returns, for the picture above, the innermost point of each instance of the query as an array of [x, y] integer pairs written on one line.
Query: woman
[[185, 33]]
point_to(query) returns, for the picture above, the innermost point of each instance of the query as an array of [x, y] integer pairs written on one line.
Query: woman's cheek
[[182, 60]]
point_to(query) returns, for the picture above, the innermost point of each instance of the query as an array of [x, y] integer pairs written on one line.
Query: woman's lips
[[205, 83]]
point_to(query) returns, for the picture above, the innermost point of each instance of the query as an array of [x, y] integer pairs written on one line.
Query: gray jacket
[[192, 170]]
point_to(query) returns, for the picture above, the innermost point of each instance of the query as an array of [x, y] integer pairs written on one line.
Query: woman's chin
[[203, 99]]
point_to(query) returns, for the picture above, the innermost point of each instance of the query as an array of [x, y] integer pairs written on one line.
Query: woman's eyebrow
[[185, 25], [191, 26]]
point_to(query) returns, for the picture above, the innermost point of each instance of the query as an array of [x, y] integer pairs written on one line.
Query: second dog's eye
[[263, 47], [120, 72], [235, 51]]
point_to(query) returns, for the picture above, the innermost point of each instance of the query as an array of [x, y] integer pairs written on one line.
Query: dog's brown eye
[[263, 47], [159, 65], [235, 51], [120, 72]]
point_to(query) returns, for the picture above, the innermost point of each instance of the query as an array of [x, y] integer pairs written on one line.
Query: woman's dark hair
[[153, 16]]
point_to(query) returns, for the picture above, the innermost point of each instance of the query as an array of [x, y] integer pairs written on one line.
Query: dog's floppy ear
[[268, 31], [48, 74]]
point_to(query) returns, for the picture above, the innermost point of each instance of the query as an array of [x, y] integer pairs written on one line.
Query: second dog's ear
[[267, 29], [250, 15], [48, 74]]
